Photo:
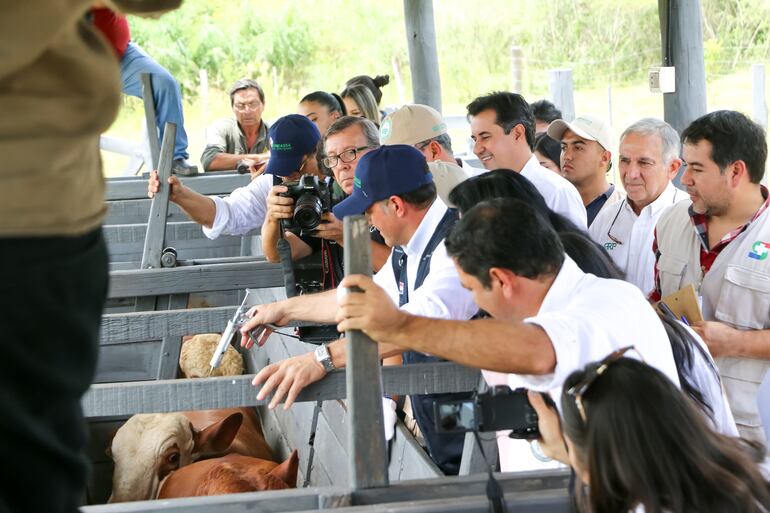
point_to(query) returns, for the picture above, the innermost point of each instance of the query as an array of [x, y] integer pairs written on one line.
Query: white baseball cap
[[411, 124], [588, 127], [446, 176]]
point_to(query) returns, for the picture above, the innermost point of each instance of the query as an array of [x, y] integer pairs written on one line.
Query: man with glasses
[[649, 160], [244, 138], [549, 317]]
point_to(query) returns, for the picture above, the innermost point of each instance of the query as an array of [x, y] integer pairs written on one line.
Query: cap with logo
[[382, 173], [446, 176], [291, 138], [587, 127], [411, 124]]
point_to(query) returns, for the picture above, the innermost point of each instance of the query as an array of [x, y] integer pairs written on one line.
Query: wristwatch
[[323, 357]]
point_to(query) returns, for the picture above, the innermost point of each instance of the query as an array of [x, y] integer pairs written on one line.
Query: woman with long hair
[[638, 444], [360, 102], [322, 108]]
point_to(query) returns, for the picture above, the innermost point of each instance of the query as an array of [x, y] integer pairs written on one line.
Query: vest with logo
[[735, 291]]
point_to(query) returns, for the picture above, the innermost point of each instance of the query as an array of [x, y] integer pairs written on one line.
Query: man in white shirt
[[586, 157], [550, 318], [395, 189], [649, 160], [503, 129]]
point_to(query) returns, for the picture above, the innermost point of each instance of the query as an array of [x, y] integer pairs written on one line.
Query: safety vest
[[735, 291]]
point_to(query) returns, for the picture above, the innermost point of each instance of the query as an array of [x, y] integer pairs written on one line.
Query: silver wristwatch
[[323, 357]]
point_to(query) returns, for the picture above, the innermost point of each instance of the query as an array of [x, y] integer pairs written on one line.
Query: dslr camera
[[312, 198], [498, 409]]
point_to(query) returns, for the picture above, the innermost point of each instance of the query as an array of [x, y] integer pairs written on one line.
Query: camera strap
[[495, 493]]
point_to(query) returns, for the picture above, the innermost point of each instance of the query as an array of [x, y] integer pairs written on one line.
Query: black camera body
[[312, 198], [498, 409]]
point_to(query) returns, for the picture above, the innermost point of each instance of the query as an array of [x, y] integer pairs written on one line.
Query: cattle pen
[[343, 463]]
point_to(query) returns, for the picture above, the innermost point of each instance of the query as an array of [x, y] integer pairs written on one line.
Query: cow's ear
[[217, 437], [287, 471]]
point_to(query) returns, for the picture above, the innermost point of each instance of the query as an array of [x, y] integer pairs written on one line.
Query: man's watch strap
[[323, 357]]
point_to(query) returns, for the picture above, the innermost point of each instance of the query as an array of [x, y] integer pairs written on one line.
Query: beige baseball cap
[[411, 124], [588, 127], [446, 176]]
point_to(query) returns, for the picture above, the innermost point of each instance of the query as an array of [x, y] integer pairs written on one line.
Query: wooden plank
[[423, 56], [235, 391], [408, 460], [140, 326], [149, 119], [171, 345], [366, 440], [155, 239], [202, 278], [138, 361], [206, 184], [254, 502], [137, 211]]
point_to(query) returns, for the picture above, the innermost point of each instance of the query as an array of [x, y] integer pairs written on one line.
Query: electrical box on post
[[662, 79]]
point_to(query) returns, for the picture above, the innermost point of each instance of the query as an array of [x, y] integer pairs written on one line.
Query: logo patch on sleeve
[[759, 250]]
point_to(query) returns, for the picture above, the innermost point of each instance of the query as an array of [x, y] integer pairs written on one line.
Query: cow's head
[[150, 446]]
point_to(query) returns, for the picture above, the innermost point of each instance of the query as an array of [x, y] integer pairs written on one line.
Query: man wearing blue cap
[[394, 188], [246, 207]]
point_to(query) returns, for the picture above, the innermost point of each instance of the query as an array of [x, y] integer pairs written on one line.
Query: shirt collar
[[667, 198], [531, 168], [700, 222], [563, 287], [424, 232]]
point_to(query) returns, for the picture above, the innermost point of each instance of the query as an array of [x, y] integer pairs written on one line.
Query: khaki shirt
[[59, 89], [226, 136]]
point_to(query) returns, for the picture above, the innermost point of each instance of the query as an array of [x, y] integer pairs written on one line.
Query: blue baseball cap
[[382, 173], [291, 138]]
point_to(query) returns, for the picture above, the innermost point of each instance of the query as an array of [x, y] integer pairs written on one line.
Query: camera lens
[[307, 211]]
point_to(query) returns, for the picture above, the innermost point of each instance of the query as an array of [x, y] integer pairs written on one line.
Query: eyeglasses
[[247, 106], [609, 231], [346, 156], [579, 389]]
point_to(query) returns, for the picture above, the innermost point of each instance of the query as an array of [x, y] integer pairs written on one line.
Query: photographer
[[295, 140], [652, 451]]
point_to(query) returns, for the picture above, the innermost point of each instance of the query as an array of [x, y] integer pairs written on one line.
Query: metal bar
[[367, 448], [231, 392]]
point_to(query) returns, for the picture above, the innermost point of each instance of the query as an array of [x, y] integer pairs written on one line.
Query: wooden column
[[149, 118], [423, 58], [367, 448], [156, 222], [682, 46]]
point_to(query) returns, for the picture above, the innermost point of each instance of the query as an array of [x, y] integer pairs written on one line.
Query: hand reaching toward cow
[[287, 379], [260, 315]]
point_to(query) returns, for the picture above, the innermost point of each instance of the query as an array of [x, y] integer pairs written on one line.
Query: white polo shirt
[[634, 256], [441, 295], [586, 318], [560, 195], [243, 210]]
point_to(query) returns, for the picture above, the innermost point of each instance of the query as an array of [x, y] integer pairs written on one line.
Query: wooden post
[[367, 448], [758, 94], [562, 95], [517, 66], [156, 223], [423, 58], [149, 118], [682, 45]]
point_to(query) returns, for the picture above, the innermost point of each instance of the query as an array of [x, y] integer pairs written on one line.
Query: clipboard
[[684, 303]]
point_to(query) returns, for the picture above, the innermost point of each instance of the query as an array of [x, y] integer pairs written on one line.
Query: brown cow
[[230, 474], [150, 446]]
